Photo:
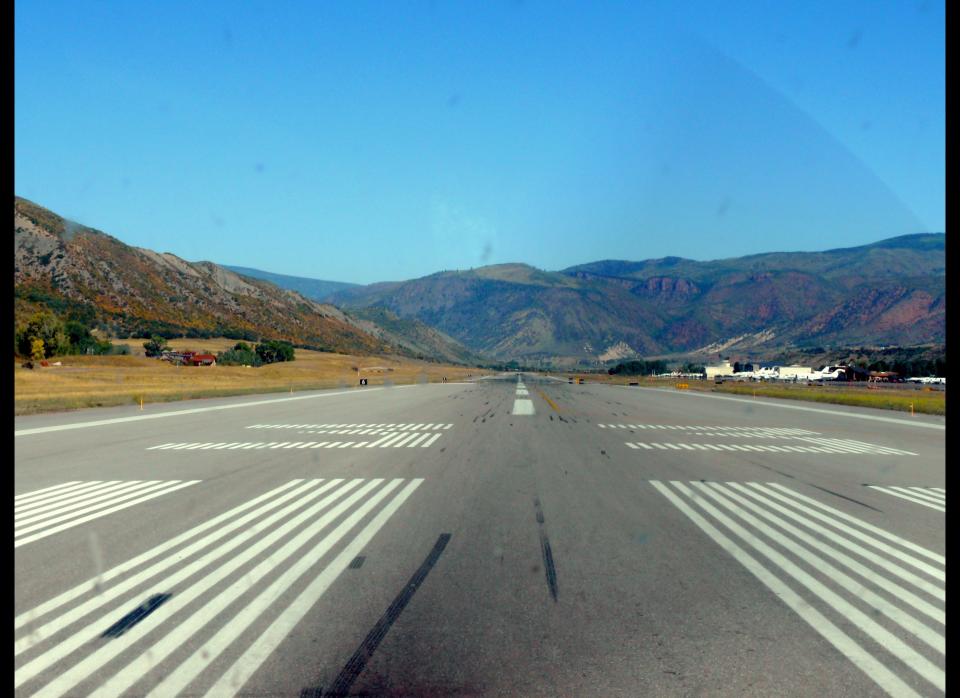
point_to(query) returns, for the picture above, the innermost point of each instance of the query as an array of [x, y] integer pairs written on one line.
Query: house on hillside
[[202, 360]]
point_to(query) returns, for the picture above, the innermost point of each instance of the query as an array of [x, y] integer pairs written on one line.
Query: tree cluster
[[912, 368], [271, 351], [275, 350], [240, 355], [639, 367], [45, 335]]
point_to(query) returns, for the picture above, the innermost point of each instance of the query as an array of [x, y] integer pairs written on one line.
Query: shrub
[[239, 356]]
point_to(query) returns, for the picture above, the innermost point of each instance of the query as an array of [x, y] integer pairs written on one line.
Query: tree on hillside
[[155, 346]]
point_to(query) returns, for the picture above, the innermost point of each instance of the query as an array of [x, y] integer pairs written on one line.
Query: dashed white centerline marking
[[523, 407]]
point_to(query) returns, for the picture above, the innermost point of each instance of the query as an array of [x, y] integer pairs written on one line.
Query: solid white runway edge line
[[771, 402], [177, 413]]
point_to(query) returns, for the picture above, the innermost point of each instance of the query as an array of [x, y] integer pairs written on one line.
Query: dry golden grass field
[[903, 397], [96, 381]]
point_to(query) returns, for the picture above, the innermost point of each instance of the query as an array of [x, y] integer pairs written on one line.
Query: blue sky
[[366, 142]]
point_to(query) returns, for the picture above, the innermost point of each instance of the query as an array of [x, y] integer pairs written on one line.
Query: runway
[[518, 535]]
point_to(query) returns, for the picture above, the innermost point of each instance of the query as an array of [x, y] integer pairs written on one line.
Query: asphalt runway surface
[[511, 536]]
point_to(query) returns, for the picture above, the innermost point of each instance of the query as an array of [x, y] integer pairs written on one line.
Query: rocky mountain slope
[[314, 289], [84, 273], [890, 292]]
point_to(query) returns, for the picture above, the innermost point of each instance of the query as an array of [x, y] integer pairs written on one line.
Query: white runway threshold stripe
[[182, 604], [54, 509], [409, 439], [813, 558], [836, 446], [932, 497], [353, 428], [743, 432]]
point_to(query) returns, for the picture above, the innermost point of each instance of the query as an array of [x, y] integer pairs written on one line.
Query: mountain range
[[82, 273], [888, 292]]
